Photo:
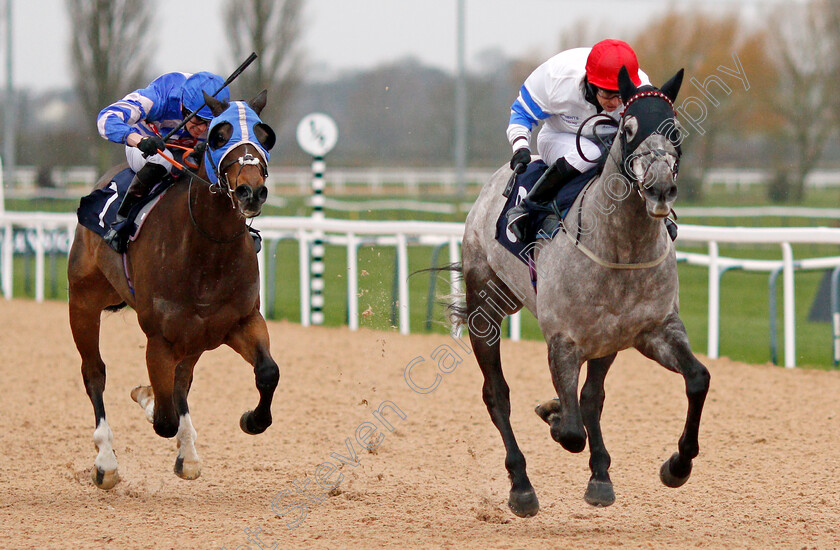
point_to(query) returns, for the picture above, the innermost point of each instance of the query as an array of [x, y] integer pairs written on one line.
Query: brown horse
[[196, 286]]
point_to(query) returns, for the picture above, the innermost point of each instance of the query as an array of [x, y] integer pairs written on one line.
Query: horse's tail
[[455, 302]]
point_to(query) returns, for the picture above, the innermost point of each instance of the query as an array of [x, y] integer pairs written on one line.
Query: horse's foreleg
[[566, 423], [187, 463], [85, 314], [160, 362], [599, 492], [669, 347], [484, 321], [250, 340]]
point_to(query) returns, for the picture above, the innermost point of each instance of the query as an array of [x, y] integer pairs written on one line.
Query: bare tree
[[701, 43], [803, 43], [272, 28], [107, 56]]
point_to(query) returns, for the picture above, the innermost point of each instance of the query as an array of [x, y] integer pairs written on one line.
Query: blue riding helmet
[[244, 120], [192, 96]]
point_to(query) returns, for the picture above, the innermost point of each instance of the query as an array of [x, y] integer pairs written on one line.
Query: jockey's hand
[[521, 158], [151, 145]]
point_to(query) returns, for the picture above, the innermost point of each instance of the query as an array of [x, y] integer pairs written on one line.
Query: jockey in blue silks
[[243, 120], [140, 119]]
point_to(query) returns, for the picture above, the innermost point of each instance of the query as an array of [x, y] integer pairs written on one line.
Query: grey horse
[[606, 283]]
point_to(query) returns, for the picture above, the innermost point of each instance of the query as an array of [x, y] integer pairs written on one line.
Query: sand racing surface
[[768, 474]]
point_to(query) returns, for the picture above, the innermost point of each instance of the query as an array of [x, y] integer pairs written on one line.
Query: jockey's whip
[[230, 79], [518, 169]]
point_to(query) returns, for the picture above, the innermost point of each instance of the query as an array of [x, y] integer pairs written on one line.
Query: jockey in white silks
[[563, 92]]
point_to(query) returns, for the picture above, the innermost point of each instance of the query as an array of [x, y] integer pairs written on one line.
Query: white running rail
[[401, 233]]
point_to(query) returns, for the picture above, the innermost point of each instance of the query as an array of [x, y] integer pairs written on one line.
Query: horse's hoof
[[572, 441], [104, 480], [546, 409], [599, 493], [246, 422], [524, 504], [667, 475], [187, 470], [145, 397]]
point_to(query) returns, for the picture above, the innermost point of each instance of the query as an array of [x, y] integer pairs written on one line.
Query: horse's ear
[[672, 87], [265, 135], [625, 86], [258, 103], [216, 107]]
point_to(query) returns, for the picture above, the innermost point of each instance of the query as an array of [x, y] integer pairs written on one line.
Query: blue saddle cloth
[[98, 210], [560, 206]]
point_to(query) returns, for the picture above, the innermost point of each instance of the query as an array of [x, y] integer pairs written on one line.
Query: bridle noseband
[[223, 185]]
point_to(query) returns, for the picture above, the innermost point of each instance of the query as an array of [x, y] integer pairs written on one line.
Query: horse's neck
[[613, 217]]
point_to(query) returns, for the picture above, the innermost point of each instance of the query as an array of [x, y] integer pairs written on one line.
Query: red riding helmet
[[606, 59]]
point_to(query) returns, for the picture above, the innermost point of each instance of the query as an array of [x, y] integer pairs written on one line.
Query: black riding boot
[[140, 186], [553, 179]]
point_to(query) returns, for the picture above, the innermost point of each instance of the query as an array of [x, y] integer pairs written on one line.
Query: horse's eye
[[265, 135], [220, 135]]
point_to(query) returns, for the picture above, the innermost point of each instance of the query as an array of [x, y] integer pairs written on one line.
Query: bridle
[[656, 153], [223, 186], [606, 120], [606, 143]]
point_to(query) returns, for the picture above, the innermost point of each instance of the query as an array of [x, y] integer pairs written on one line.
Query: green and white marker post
[[317, 134]]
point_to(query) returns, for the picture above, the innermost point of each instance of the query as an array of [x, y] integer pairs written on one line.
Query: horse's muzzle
[[250, 199], [659, 190]]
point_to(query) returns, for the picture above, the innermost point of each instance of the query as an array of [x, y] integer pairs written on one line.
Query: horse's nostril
[[242, 193], [262, 194]]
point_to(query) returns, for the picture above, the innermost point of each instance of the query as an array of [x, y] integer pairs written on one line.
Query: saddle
[[544, 222], [98, 210]]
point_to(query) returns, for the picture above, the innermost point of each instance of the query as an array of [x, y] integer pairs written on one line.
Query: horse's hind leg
[[668, 345], [88, 296], [250, 340], [484, 320]]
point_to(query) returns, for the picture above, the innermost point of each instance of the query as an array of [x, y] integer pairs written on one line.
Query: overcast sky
[[340, 34]]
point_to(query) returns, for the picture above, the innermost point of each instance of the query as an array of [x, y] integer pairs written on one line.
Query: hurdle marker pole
[[317, 255]]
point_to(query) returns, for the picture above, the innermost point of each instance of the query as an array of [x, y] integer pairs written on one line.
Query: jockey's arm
[[133, 139]]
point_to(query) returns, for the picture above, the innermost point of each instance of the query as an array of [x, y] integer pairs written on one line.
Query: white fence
[[400, 234], [374, 178]]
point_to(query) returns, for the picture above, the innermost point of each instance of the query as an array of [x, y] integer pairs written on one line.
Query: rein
[[594, 257]]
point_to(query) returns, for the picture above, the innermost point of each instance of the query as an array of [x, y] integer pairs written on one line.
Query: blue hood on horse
[[243, 120]]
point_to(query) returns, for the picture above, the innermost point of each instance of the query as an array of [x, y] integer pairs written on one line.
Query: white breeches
[[136, 160], [554, 145]]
